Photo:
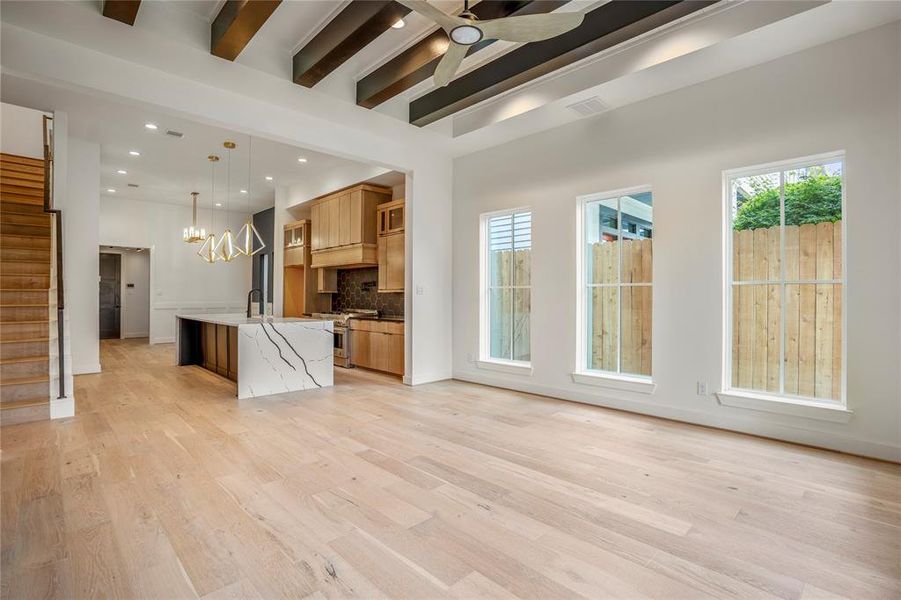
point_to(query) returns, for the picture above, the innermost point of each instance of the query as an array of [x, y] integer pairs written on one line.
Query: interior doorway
[[124, 292], [110, 295]]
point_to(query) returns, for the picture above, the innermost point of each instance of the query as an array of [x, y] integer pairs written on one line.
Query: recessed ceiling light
[[243, 191], [134, 153], [218, 204], [111, 190], [122, 172], [151, 126], [301, 160], [268, 177], [399, 24]]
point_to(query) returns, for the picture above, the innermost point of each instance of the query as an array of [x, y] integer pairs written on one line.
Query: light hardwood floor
[[165, 486]]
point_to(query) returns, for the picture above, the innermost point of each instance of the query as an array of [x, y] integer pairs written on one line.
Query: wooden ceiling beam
[[604, 27], [418, 63], [236, 24], [359, 23], [124, 11]]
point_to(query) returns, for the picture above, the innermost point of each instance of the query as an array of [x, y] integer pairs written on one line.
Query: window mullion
[[782, 282]]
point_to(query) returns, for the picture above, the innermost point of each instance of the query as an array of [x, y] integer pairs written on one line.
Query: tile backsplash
[[358, 288]]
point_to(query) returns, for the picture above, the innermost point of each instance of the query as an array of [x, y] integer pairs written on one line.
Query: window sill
[[810, 409], [616, 382], [506, 366]]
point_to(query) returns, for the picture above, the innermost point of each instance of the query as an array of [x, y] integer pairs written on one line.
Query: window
[[506, 286], [785, 279], [616, 283]]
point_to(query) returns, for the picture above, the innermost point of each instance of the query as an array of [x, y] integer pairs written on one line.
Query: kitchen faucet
[[250, 299]]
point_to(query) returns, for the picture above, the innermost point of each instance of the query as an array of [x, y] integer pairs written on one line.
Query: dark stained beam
[[350, 31], [125, 11], [236, 24], [604, 27], [418, 63]]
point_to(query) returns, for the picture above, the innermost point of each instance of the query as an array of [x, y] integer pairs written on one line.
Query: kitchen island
[[264, 356]]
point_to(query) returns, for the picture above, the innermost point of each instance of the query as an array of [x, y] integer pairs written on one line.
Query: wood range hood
[[343, 231]]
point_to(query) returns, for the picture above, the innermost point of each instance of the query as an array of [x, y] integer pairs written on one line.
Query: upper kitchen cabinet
[[344, 227], [295, 241], [391, 246]]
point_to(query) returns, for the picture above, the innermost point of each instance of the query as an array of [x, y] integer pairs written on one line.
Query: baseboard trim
[[163, 340], [139, 334], [716, 419], [86, 369]]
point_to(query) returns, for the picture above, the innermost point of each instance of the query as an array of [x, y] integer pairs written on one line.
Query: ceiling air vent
[[132, 185], [175, 134], [589, 107]]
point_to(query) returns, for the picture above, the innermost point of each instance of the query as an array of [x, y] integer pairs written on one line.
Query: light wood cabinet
[[391, 216], [220, 349], [300, 284], [327, 281], [344, 228], [378, 345], [391, 254]]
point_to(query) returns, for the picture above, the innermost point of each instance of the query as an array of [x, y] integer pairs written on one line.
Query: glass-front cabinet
[[391, 217], [295, 240]]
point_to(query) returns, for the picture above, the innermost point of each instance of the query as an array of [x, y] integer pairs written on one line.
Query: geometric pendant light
[[226, 250], [248, 239], [208, 250]]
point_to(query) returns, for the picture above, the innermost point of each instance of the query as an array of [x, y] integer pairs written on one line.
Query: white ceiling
[[169, 169]]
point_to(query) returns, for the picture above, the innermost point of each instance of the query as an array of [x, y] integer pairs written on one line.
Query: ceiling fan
[[466, 29]]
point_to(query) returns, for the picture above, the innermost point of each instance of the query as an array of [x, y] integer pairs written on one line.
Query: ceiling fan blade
[[450, 63], [444, 20], [530, 28]]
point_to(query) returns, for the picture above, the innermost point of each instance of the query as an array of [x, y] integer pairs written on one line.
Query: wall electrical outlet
[[419, 290], [702, 388], [469, 357]]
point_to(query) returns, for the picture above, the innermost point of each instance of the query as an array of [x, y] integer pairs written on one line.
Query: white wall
[[840, 96], [81, 207], [136, 299], [21, 131], [180, 281]]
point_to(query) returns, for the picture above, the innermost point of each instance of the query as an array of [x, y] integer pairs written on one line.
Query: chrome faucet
[[250, 299]]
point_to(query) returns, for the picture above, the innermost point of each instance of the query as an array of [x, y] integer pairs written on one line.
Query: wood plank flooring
[[165, 486]]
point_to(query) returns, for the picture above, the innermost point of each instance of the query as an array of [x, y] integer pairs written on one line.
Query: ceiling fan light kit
[[466, 29]]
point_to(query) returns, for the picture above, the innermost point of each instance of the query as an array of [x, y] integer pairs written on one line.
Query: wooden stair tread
[[31, 322], [19, 305], [25, 340], [25, 380], [11, 404], [24, 359]]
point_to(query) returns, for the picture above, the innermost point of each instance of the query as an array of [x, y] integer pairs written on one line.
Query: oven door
[[342, 346]]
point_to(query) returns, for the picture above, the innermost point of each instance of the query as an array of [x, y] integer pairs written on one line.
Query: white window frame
[[486, 361], [609, 379], [819, 408]]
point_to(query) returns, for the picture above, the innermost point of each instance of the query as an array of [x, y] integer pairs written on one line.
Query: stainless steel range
[[343, 338]]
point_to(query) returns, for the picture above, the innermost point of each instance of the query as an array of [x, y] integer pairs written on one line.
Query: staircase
[[25, 282]]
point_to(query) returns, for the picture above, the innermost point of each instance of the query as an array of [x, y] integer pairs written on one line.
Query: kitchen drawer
[[392, 327]]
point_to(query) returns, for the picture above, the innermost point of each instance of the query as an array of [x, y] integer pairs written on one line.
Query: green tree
[[814, 199]]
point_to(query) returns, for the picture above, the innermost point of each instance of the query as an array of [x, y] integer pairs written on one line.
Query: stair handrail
[[60, 292]]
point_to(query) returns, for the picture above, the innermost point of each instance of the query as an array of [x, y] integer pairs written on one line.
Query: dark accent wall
[[264, 221], [357, 288]]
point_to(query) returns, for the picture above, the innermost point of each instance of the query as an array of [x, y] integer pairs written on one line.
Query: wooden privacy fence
[[813, 311], [633, 322], [511, 306]]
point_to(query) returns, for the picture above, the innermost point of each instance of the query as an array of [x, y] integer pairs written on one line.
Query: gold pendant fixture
[[249, 239], [208, 250], [194, 234], [226, 250]]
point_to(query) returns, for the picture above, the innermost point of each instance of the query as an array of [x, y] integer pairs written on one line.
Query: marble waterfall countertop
[[276, 355]]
